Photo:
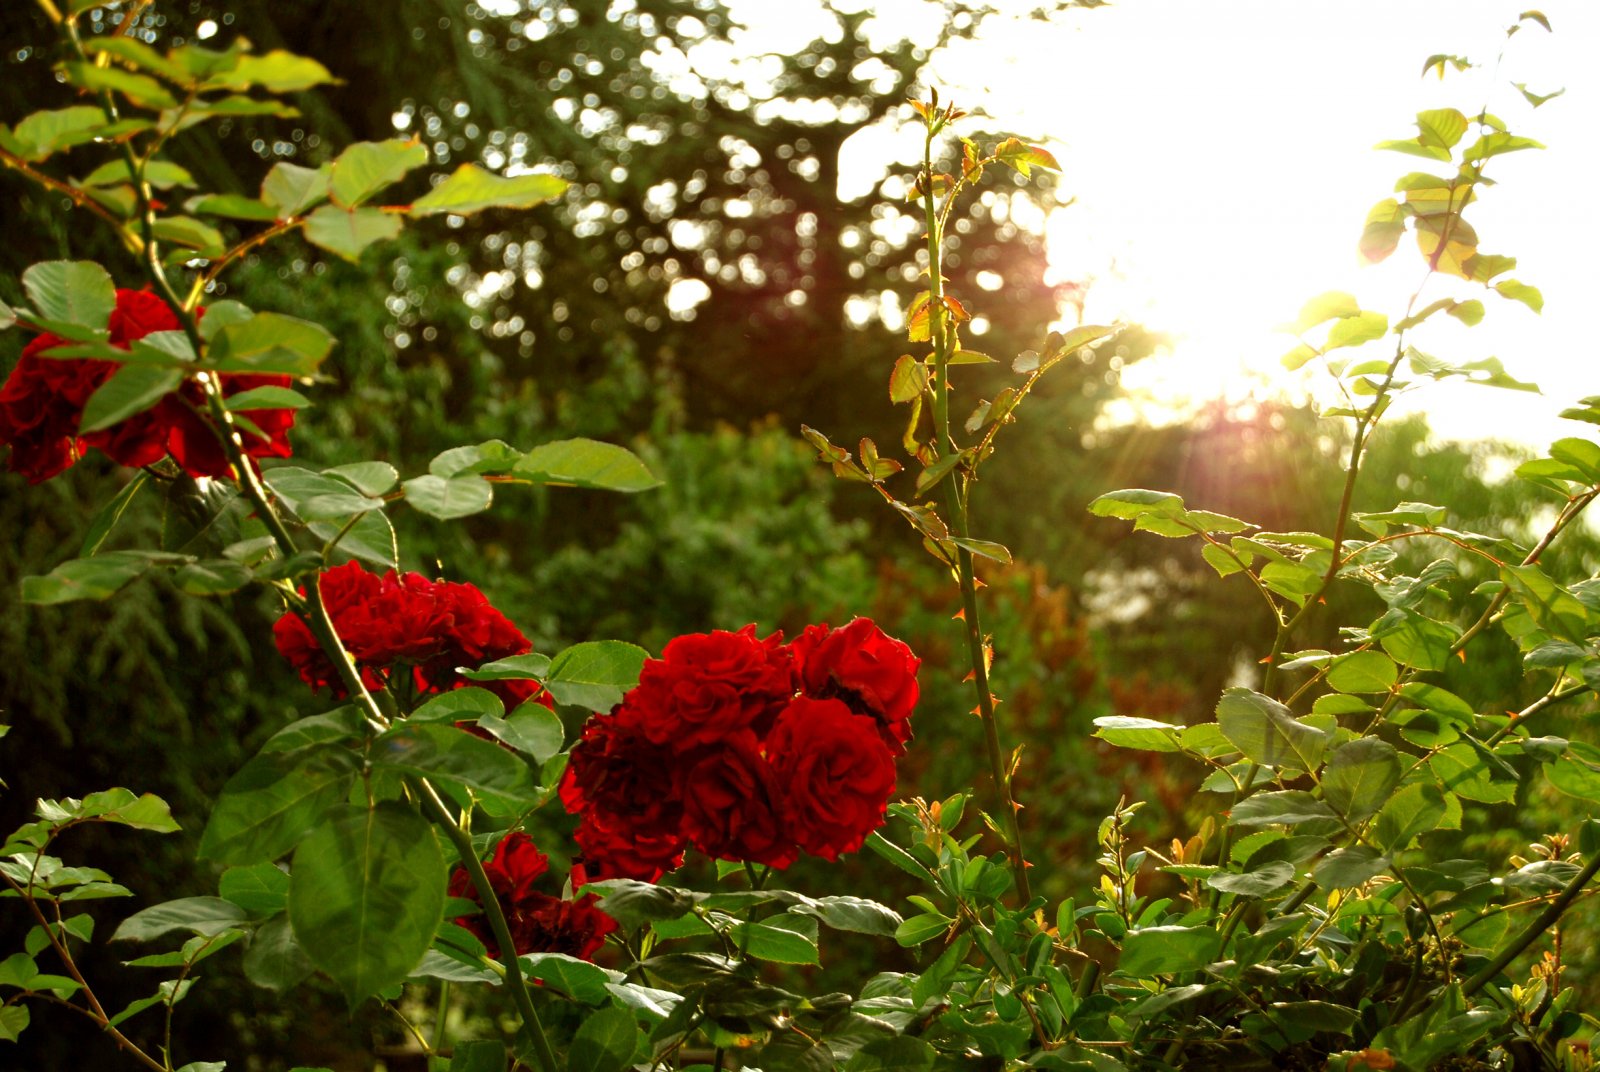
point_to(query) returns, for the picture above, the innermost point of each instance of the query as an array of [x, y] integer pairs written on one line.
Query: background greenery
[[559, 325]]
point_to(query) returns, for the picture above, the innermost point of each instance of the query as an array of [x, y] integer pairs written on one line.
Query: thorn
[[1462, 655], [978, 711], [960, 615], [1264, 661], [970, 676], [1027, 864], [1016, 805]]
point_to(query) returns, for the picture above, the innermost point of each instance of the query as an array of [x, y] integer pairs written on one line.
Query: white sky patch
[[1223, 166]]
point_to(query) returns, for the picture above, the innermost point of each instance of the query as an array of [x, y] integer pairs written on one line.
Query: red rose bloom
[[732, 806], [405, 620], [42, 401], [836, 773], [624, 787], [707, 687], [871, 672], [538, 922]]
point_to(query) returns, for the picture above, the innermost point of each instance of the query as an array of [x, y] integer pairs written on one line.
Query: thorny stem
[[955, 509], [497, 922], [1534, 930], [95, 1011]]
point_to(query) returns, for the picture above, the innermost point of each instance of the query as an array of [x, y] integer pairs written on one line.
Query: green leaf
[[1415, 810], [500, 780], [347, 232], [1126, 731], [1257, 883], [131, 390], [342, 724], [585, 463], [260, 889], [273, 801], [1363, 672], [1356, 330], [1289, 807], [98, 577], [232, 206], [1131, 503], [366, 167], [161, 174], [1521, 292], [901, 1053], [918, 929], [197, 915], [1015, 154], [1577, 773], [908, 380], [71, 292], [274, 959], [106, 518], [1552, 607], [13, 1020], [533, 729], [577, 979], [269, 396], [478, 1056], [277, 71], [270, 342], [529, 667], [43, 133], [1149, 951], [1382, 230], [1265, 731], [471, 189], [371, 539], [605, 1043], [366, 895], [1335, 304], [449, 497], [785, 939], [369, 478], [206, 240], [490, 457], [854, 914], [292, 189], [596, 674], [1347, 868], [1359, 777], [141, 89]]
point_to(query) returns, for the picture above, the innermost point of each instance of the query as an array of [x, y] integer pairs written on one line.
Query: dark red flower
[[538, 922], [625, 789], [835, 774], [871, 672], [429, 629], [42, 403], [732, 805], [706, 687]]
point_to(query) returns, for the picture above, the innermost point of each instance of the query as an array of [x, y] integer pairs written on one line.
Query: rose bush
[[746, 749], [42, 406]]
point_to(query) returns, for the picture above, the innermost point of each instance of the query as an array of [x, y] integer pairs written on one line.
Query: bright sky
[[1223, 165]]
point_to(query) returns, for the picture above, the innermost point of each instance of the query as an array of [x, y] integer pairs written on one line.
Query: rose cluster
[[405, 622], [746, 749], [42, 402], [538, 922]]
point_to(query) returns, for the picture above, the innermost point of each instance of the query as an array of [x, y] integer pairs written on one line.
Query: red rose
[[707, 687], [538, 922], [430, 628], [625, 789], [732, 805], [835, 771], [871, 672], [42, 401]]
